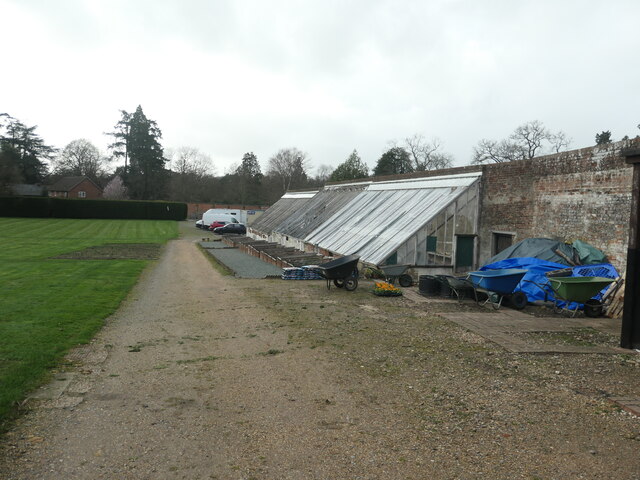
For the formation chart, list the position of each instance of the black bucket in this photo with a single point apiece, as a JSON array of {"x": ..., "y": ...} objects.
[{"x": 429, "y": 285}]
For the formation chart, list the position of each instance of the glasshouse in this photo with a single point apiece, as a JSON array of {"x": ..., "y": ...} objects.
[{"x": 428, "y": 223}]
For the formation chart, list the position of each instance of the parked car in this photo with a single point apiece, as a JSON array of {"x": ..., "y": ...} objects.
[
  {"x": 235, "y": 228},
  {"x": 200, "y": 224},
  {"x": 216, "y": 224}
]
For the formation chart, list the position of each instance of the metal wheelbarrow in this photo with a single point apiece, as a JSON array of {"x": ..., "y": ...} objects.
[
  {"x": 393, "y": 272},
  {"x": 458, "y": 286},
  {"x": 342, "y": 271},
  {"x": 498, "y": 285}
]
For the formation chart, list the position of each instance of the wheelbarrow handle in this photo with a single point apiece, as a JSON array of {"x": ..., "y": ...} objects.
[{"x": 545, "y": 287}]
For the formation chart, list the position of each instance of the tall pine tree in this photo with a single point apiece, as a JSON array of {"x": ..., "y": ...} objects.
[
  {"x": 351, "y": 169},
  {"x": 22, "y": 150},
  {"x": 137, "y": 141},
  {"x": 249, "y": 178}
]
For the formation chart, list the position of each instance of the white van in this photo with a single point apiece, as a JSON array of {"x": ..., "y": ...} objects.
[{"x": 222, "y": 215}]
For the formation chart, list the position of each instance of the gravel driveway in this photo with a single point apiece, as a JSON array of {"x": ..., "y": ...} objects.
[
  {"x": 200, "y": 376},
  {"x": 243, "y": 265}
]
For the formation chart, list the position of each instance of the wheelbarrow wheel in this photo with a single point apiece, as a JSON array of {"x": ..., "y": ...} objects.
[
  {"x": 557, "y": 308},
  {"x": 593, "y": 308},
  {"x": 350, "y": 284},
  {"x": 338, "y": 282},
  {"x": 518, "y": 300},
  {"x": 496, "y": 300},
  {"x": 405, "y": 280}
]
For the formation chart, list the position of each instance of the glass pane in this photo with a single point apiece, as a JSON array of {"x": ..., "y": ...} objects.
[
  {"x": 432, "y": 243},
  {"x": 393, "y": 259}
]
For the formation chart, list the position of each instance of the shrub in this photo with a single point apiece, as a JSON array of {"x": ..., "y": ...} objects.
[{"x": 47, "y": 207}]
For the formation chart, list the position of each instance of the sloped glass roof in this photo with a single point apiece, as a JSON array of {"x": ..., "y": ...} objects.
[
  {"x": 317, "y": 210},
  {"x": 288, "y": 205},
  {"x": 382, "y": 217}
]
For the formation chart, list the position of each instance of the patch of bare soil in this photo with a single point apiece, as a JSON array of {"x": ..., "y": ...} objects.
[
  {"x": 201, "y": 376},
  {"x": 586, "y": 337},
  {"x": 463, "y": 407},
  {"x": 116, "y": 251}
]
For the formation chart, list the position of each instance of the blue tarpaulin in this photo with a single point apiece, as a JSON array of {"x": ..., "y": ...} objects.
[{"x": 537, "y": 268}]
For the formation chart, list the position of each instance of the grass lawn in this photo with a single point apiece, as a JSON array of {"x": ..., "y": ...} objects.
[{"x": 49, "y": 305}]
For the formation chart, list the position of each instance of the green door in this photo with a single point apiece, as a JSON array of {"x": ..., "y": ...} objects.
[{"x": 464, "y": 253}]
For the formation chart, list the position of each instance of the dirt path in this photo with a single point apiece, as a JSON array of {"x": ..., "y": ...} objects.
[
  {"x": 195, "y": 385},
  {"x": 200, "y": 376}
]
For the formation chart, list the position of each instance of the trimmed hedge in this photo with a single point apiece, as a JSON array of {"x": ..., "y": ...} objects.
[{"x": 51, "y": 207}]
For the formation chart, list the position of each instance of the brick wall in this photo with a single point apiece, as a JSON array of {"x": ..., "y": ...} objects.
[
  {"x": 90, "y": 189},
  {"x": 582, "y": 194}
]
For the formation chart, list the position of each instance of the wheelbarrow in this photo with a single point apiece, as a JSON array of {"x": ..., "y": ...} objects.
[
  {"x": 498, "y": 285},
  {"x": 576, "y": 290},
  {"x": 343, "y": 272},
  {"x": 458, "y": 286},
  {"x": 393, "y": 272}
]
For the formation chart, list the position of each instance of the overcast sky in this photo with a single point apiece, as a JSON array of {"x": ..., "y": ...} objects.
[{"x": 324, "y": 76}]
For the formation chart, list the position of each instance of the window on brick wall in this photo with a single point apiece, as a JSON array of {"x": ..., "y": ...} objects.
[
  {"x": 501, "y": 241},
  {"x": 82, "y": 194}
]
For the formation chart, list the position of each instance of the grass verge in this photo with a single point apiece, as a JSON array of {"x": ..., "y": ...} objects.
[{"x": 51, "y": 305}]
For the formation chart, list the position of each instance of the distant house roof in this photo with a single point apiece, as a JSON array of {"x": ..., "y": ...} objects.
[{"x": 66, "y": 184}]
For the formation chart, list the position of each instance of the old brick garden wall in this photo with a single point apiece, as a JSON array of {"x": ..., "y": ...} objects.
[{"x": 581, "y": 194}]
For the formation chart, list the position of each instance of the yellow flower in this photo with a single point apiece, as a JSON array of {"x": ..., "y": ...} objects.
[{"x": 385, "y": 287}]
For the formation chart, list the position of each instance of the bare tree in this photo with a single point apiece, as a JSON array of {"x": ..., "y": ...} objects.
[
  {"x": 115, "y": 189},
  {"x": 289, "y": 165},
  {"x": 189, "y": 160},
  {"x": 188, "y": 168},
  {"x": 80, "y": 157},
  {"x": 497, "y": 152},
  {"x": 526, "y": 141},
  {"x": 425, "y": 154},
  {"x": 323, "y": 172},
  {"x": 560, "y": 141},
  {"x": 530, "y": 136}
]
